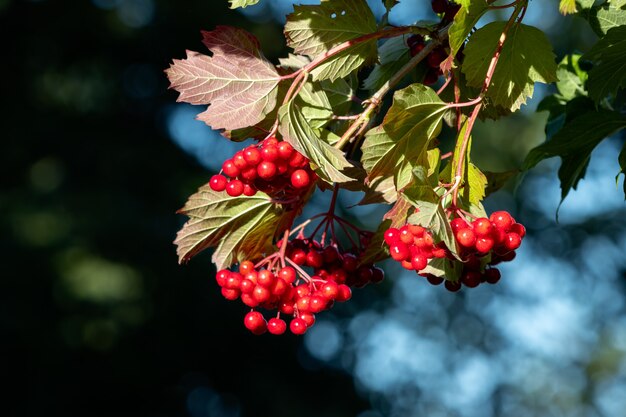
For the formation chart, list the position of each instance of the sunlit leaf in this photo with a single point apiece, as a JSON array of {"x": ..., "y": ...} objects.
[{"x": 237, "y": 82}]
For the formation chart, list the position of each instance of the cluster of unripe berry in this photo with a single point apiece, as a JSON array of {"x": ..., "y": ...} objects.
[
  {"x": 270, "y": 166},
  {"x": 291, "y": 291},
  {"x": 482, "y": 243}
]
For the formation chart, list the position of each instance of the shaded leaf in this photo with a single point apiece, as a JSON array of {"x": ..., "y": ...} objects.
[
  {"x": 526, "y": 58},
  {"x": 497, "y": 180},
  {"x": 444, "y": 268},
  {"x": 465, "y": 19},
  {"x": 401, "y": 142},
  {"x": 393, "y": 55},
  {"x": 609, "y": 72},
  {"x": 574, "y": 144},
  {"x": 238, "y": 83},
  {"x": 380, "y": 190},
  {"x": 238, "y": 227},
  {"x": 606, "y": 16}
]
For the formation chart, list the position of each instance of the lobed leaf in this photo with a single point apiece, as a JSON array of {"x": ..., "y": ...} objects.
[
  {"x": 609, "y": 72},
  {"x": 237, "y": 82},
  {"x": 606, "y": 16},
  {"x": 526, "y": 58},
  {"x": 433, "y": 216},
  {"x": 315, "y": 29},
  {"x": 465, "y": 19},
  {"x": 401, "y": 142},
  {"x": 238, "y": 227}
]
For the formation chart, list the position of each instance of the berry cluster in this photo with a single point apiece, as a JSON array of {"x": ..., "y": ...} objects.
[
  {"x": 448, "y": 8},
  {"x": 482, "y": 244},
  {"x": 292, "y": 291},
  {"x": 270, "y": 166}
]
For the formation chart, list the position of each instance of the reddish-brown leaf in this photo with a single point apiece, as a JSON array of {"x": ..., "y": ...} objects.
[{"x": 237, "y": 82}]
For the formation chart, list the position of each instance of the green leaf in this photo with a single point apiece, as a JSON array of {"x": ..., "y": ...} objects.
[
  {"x": 526, "y": 58},
  {"x": 242, "y": 3},
  {"x": 295, "y": 129},
  {"x": 497, "y": 180},
  {"x": 240, "y": 85},
  {"x": 340, "y": 93},
  {"x": 315, "y": 29},
  {"x": 465, "y": 19},
  {"x": 444, "y": 268},
  {"x": 402, "y": 141},
  {"x": 238, "y": 227},
  {"x": 315, "y": 105},
  {"x": 433, "y": 216},
  {"x": 606, "y": 16},
  {"x": 609, "y": 72},
  {"x": 393, "y": 55},
  {"x": 574, "y": 144},
  {"x": 571, "y": 78}
]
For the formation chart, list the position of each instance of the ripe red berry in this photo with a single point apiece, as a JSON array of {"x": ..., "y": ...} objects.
[
  {"x": 248, "y": 190},
  {"x": 471, "y": 279},
  {"x": 309, "y": 318},
  {"x": 287, "y": 274},
  {"x": 234, "y": 188},
  {"x": 297, "y": 326},
  {"x": 501, "y": 219},
  {"x": 252, "y": 156},
  {"x": 419, "y": 261},
  {"x": 222, "y": 276},
  {"x": 265, "y": 278},
  {"x": 458, "y": 224},
  {"x": 405, "y": 235},
  {"x": 255, "y": 322},
  {"x": 436, "y": 57},
  {"x": 417, "y": 231},
  {"x": 230, "y": 294},
  {"x": 247, "y": 286},
  {"x": 230, "y": 169},
  {"x": 240, "y": 161},
  {"x": 234, "y": 281},
  {"x": 261, "y": 294},
  {"x": 285, "y": 150},
  {"x": 399, "y": 251},
  {"x": 466, "y": 237},
  {"x": 519, "y": 229},
  {"x": 482, "y": 227},
  {"x": 512, "y": 241},
  {"x": 377, "y": 275},
  {"x": 300, "y": 178},
  {"x": 330, "y": 290},
  {"x": 484, "y": 244},
  {"x": 392, "y": 235},
  {"x": 317, "y": 304},
  {"x": 276, "y": 326},
  {"x": 266, "y": 170},
  {"x": 218, "y": 182},
  {"x": 269, "y": 153},
  {"x": 249, "y": 300},
  {"x": 345, "y": 293}
]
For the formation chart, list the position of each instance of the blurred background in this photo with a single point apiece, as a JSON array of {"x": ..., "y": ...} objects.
[{"x": 98, "y": 319}]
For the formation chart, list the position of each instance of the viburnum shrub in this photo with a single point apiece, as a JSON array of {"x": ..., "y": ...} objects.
[{"x": 320, "y": 122}]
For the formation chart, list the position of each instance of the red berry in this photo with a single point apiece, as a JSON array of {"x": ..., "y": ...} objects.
[
  {"x": 297, "y": 326},
  {"x": 266, "y": 278},
  {"x": 309, "y": 319},
  {"x": 501, "y": 219},
  {"x": 434, "y": 280},
  {"x": 392, "y": 235},
  {"x": 419, "y": 262},
  {"x": 512, "y": 241},
  {"x": 287, "y": 274},
  {"x": 484, "y": 244},
  {"x": 298, "y": 160},
  {"x": 453, "y": 286},
  {"x": 377, "y": 275},
  {"x": 230, "y": 294},
  {"x": 399, "y": 251},
  {"x": 345, "y": 293},
  {"x": 303, "y": 290},
  {"x": 405, "y": 235},
  {"x": 471, "y": 279},
  {"x": 458, "y": 224},
  {"x": 266, "y": 170},
  {"x": 285, "y": 150},
  {"x": 298, "y": 256},
  {"x": 249, "y": 300},
  {"x": 519, "y": 229},
  {"x": 255, "y": 322},
  {"x": 317, "y": 304},
  {"x": 222, "y": 276},
  {"x": 482, "y": 227},
  {"x": 248, "y": 190},
  {"x": 218, "y": 182},
  {"x": 417, "y": 231},
  {"x": 300, "y": 178},
  {"x": 276, "y": 326},
  {"x": 252, "y": 156},
  {"x": 330, "y": 290},
  {"x": 230, "y": 169},
  {"x": 314, "y": 259},
  {"x": 240, "y": 161},
  {"x": 234, "y": 281},
  {"x": 436, "y": 57},
  {"x": 248, "y": 174},
  {"x": 245, "y": 267},
  {"x": 279, "y": 288},
  {"x": 261, "y": 294},
  {"x": 407, "y": 265},
  {"x": 416, "y": 48},
  {"x": 466, "y": 237},
  {"x": 269, "y": 153},
  {"x": 234, "y": 188},
  {"x": 247, "y": 286},
  {"x": 492, "y": 275},
  {"x": 350, "y": 262}
]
